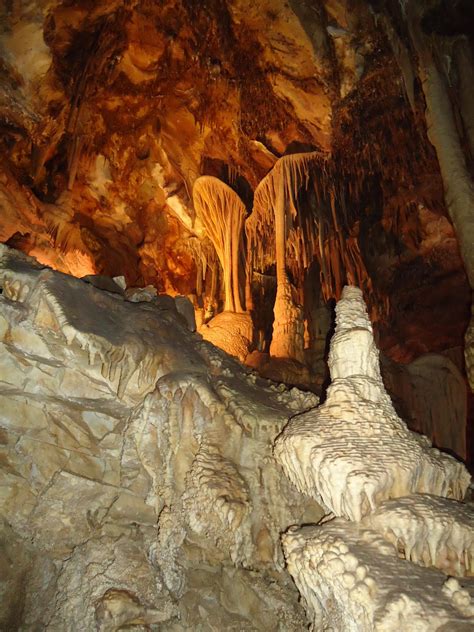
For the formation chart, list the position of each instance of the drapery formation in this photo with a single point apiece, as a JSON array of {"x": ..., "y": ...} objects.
[
  {"x": 222, "y": 213},
  {"x": 299, "y": 215},
  {"x": 275, "y": 211}
]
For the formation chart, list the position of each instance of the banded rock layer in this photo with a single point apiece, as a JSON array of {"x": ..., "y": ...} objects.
[{"x": 352, "y": 580}]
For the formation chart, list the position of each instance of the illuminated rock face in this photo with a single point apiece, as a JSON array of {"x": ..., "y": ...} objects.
[
  {"x": 139, "y": 486},
  {"x": 354, "y": 451},
  {"x": 103, "y": 145},
  {"x": 231, "y": 332}
]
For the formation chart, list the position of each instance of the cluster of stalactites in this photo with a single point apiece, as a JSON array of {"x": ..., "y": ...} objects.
[
  {"x": 285, "y": 227},
  {"x": 317, "y": 228},
  {"x": 278, "y": 193},
  {"x": 222, "y": 213}
]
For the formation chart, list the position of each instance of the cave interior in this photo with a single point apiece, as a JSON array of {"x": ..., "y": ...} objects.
[{"x": 236, "y": 272}]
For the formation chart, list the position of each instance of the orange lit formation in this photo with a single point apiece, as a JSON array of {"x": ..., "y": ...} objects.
[{"x": 222, "y": 213}]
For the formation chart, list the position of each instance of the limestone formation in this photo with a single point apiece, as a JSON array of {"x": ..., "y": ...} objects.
[
  {"x": 275, "y": 211},
  {"x": 428, "y": 530},
  {"x": 355, "y": 454},
  {"x": 354, "y": 451},
  {"x": 138, "y": 486},
  {"x": 352, "y": 581},
  {"x": 146, "y": 475},
  {"x": 222, "y": 212},
  {"x": 231, "y": 332}
]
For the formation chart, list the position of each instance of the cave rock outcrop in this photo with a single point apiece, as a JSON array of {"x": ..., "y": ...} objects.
[
  {"x": 138, "y": 482},
  {"x": 352, "y": 580}
]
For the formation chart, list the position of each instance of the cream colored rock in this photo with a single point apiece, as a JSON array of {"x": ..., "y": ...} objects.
[
  {"x": 353, "y": 452},
  {"x": 212, "y": 493},
  {"x": 125, "y": 350},
  {"x": 352, "y": 581},
  {"x": 137, "y": 481},
  {"x": 428, "y": 530},
  {"x": 138, "y": 484}
]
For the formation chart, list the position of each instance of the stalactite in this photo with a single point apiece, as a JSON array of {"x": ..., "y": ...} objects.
[
  {"x": 275, "y": 218},
  {"x": 302, "y": 228},
  {"x": 212, "y": 299},
  {"x": 65, "y": 235},
  {"x": 199, "y": 280},
  {"x": 222, "y": 213}
]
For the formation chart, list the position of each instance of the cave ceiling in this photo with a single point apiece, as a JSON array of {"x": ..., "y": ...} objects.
[{"x": 110, "y": 110}]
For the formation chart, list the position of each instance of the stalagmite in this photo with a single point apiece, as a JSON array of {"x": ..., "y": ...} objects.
[
  {"x": 353, "y": 452},
  {"x": 358, "y": 458},
  {"x": 222, "y": 213},
  {"x": 276, "y": 209}
]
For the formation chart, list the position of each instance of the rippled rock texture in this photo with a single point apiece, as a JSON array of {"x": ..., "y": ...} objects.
[{"x": 396, "y": 529}]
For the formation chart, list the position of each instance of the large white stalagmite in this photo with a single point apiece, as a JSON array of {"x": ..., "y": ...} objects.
[
  {"x": 356, "y": 456},
  {"x": 354, "y": 451}
]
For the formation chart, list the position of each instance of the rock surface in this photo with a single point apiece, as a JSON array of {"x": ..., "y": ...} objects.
[
  {"x": 352, "y": 581},
  {"x": 138, "y": 486},
  {"x": 431, "y": 395},
  {"x": 231, "y": 332},
  {"x": 428, "y": 530}
]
